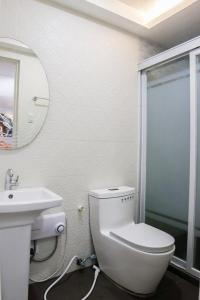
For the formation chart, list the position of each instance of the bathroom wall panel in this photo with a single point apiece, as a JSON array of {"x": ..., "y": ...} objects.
[{"x": 90, "y": 138}]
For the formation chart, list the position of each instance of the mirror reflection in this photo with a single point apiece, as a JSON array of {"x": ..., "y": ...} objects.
[{"x": 24, "y": 94}]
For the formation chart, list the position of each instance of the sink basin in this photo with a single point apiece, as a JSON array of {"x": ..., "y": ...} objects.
[
  {"x": 30, "y": 199},
  {"x": 18, "y": 210}
]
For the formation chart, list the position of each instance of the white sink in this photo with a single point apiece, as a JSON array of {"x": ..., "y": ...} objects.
[
  {"x": 26, "y": 200},
  {"x": 18, "y": 209}
]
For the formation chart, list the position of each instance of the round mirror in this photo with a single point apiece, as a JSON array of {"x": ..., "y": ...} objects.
[{"x": 24, "y": 94}]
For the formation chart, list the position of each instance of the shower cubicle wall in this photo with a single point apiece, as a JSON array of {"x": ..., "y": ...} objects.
[{"x": 170, "y": 147}]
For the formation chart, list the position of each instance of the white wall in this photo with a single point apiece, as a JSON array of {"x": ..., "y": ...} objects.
[{"x": 92, "y": 73}]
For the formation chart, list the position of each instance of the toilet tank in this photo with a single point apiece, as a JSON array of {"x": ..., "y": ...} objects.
[{"x": 112, "y": 207}]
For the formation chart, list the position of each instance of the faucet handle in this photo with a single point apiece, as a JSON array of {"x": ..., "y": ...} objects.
[{"x": 10, "y": 172}]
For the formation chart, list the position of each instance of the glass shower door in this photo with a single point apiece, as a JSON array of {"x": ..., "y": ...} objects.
[
  {"x": 168, "y": 150},
  {"x": 170, "y": 160}
]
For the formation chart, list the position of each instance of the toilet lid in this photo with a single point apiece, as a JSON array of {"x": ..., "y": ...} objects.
[{"x": 144, "y": 237}]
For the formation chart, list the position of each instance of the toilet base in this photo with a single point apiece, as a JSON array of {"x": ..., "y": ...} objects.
[{"x": 142, "y": 296}]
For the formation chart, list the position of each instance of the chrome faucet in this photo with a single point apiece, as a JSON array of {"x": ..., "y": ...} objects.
[{"x": 11, "y": 180}]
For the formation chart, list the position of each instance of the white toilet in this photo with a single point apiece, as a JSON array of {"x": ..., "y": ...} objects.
[{"x": 135, "y": 256}]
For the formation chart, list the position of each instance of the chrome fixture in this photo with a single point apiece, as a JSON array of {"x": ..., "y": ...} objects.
[{"x": 11, "y": 180}]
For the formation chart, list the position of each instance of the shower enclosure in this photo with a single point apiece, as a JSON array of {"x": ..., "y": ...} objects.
[{"x": 170, "y": 147}]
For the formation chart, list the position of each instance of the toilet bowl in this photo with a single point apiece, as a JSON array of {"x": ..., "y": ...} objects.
[{"x": 134, "y": 256}]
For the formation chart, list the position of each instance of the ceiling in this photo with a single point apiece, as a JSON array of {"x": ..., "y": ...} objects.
[
  {"x": 152, "y": 12},
  {"x": 143, "y": 5},
  {"x": 166, "y": 22}
]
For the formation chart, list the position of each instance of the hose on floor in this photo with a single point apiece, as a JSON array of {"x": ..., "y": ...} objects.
[{"x": 97, "y": 271}]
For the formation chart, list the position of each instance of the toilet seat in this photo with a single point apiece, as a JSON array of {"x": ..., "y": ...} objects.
[{"x": 144, "y": 238}]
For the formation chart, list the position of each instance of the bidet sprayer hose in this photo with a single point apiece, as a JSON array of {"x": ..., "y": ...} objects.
[
  {"x": 60, "y": 277},
  {"x": 97, "y": 271}
]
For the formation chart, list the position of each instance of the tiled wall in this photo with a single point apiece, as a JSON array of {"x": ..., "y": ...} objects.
[{"x": 90, "y": 138}]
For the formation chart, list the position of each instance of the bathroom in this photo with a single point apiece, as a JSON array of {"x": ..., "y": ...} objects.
[{"x": 94, "y": 55}]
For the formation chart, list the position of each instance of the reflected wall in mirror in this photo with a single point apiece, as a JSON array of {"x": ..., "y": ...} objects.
[{"x": 24, "y": 94}]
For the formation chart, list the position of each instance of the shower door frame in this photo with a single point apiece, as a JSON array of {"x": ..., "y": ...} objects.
[{"x": 192, "y": 49}]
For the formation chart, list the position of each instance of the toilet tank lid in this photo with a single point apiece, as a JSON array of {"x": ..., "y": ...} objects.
[{"x": 112, "y": 192}]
